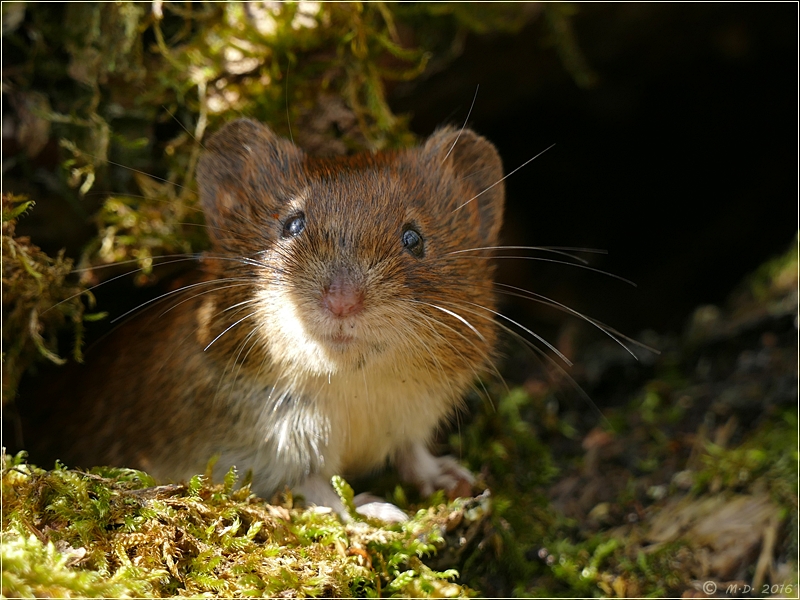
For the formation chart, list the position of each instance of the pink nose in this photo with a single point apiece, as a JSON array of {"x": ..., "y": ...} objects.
[{"x": 343, "y": 297}]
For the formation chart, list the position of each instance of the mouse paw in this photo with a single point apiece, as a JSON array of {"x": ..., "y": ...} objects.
[
  {"x": 321, "y": 498},
  {"x": 373, "y": 507},
  {"x": 430, "y": 473}
]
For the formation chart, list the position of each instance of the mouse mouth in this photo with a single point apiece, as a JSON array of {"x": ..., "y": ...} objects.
[
  {"x": 343, "y": 342},
  {"x": 339, "y": 334},
  {"x": 340, "y": 340}
]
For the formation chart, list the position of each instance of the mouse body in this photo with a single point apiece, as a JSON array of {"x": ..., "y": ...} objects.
[{"x": 344, "y": 309}]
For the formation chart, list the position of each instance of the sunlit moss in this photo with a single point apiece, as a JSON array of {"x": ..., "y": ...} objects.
[{"x": 110, "y": 532}]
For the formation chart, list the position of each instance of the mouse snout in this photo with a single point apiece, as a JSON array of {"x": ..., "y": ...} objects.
[{"x": 343, "y": 297}]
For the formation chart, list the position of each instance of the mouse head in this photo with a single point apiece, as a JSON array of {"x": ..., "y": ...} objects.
[{"x": 361, "y": 260}]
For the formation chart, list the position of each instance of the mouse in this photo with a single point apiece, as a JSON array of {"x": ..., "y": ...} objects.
[{"x": 343, "y": 311}]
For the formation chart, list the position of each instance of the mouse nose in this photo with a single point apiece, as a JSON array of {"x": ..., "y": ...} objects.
[{"x": 343, "y": 297}]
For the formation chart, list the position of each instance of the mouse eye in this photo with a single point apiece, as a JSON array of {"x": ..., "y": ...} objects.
[
  {"x": 294, "y": 225},
  {"x": 412, "y": 241}
]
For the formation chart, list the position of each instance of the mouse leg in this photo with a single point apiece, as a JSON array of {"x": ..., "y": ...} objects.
[
  {"x": 429, "y": 473},
  {"x": 318, "y": 491}
]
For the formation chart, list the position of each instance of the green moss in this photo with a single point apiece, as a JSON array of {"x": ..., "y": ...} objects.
[
  {"x": 110, "y": 532},
  {"x": 768, "y": 456},
  {"x": 775, "y": 276},
  {"x": 530, "y": 546},
  {"x": 39, "y": 297},
  {"x": 32, "y": 568}
]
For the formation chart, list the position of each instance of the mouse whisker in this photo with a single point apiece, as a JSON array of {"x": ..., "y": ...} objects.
[
  {"x": 228, "y": 368},
  {"x": 142, "y": 199},
  {"x": 606, "y": 329},
  {"x": 194, "y": 330},
  {"x": 228, "y": 329},
  {"x": 146, "y": 174},
  {"x": 502, "y": 179},
  {"x": 116, "y": 277},
  {"x": 173, "y": 292},
  {"x": 484, "y": 393},
  {"x": 431, "y": 322},
  {"x": 173, "y": 259},
  {"x": 162, "y": 260},
  {"x": 552, "y": 260},
  {"x": 454, "y": 315},
  {"x": 564, "y": 251},
  {"x": 239, "y": 304},
  {"x": 196, "y": 138},
  {"x": 251, "y": 262},
  {"x": 541, "y": 299},
  {"x": 484, "y": 354},
  {"x": 539, "y": 354},
  {"x": 472, "y": 174},
  {"x": 197, "y": 295},
  {"x": 251, "y": 335},
  {"x": 214, "y": 228},
  {"x": 528, "y": 343},
  {"x": 469, "y": 112},
  {"x": 176, "y": 258},
  {"x": 515, "y": 334},
  {"x": 526, "y": 330},
  {"x": 419, "y": 338}
]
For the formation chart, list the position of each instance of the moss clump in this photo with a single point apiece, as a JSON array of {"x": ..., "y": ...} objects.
[
  {"x": 775, "y": 277},
  {"x": 35, "y": 569},
  {"x": 111, "y": 532},
  {"x": 38, "y": 298},
  {"x": 769, "y": 453}
]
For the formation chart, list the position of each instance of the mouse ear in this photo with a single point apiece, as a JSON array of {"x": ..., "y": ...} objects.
[
  {"x": 242, "y": 176},
  {"x": 476, "y": 165}
]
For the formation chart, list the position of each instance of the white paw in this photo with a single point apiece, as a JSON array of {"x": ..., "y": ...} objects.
[
  {"x": 321, "y": 498},
  {"x": 372, "y": 507},
  {"x": 430, "y": 473}
]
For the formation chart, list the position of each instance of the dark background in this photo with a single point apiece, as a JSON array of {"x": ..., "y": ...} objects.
[{"x": 681, "y": 160}]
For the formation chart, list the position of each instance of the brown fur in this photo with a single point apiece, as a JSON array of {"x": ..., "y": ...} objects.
[{"x": 290, "y": 390}]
